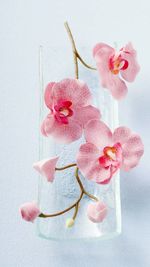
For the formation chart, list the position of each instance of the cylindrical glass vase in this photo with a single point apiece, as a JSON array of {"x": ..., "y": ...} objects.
[{"x": 55, "y": 65}]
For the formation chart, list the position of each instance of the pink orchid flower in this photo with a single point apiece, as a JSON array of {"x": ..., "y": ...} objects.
[
  {"x": 105, "y": 153},
  {"x": 69, "y": 103},
  {"x": 29, "y": 211},
  {"x": 46, "y": 167},
  {"x": 111, "y": 65},
  {"x": 97, "y": 212}
]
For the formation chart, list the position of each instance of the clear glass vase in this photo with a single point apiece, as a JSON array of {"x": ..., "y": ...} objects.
[{"x": 55, "y": 65}]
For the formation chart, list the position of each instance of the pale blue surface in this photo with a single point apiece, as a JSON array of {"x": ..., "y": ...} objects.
[{"x": 23, "y": 25}]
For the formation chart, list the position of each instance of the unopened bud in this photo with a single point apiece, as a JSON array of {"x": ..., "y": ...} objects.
[{"x": 69, "y": 222}]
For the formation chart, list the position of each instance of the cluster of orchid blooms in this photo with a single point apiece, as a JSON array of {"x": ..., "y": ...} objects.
[{"x": 72, "y": 115}]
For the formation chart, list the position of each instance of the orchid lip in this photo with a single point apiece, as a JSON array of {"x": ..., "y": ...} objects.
[
  {"x": 111, "y": 158},
  {"x": 117, "y": 63},
  {"x": 62, "y": 111},
  {"x": 110, "y": 152}
]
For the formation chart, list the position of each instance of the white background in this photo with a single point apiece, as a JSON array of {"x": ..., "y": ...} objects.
[{"x": 23, "y": 26}]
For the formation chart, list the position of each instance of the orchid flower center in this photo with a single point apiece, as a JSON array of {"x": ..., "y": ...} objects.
[
  {"x": 110, "y": 152},
  {"x": 62, "y": 111},
  {"x": 112, "y": 156},
  {"x": 117, "y": 63}
]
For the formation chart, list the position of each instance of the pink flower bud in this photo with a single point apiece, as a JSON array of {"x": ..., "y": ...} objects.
[
  {"x": 46, "y": 167},
  {"x": 29, "y": 211},
  {"x": 96, "y": 212}
]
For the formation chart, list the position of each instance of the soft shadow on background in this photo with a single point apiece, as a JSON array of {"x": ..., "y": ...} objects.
[{"x": 23, "y": 26}]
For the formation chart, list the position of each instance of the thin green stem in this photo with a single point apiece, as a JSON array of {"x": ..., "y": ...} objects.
[
  {"x": 73, "y": 49},
  {"x": 65, "y": 167},
  {"x": 78, "y": 179},
  {"x": 76, "y": 211},
  {"x": 76, "y": 55},
  {"x": 84, "y": 63},
  {"x": 42, "y": 215},
  {"x": 76, "y": 204},
  {"x": 90, "y": 195}
]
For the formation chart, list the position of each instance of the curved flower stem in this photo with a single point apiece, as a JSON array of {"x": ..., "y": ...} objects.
[
  {"x": 73, "y": 50},
  {"x": 76, "y": 204},
  {"x": 63, "y": 211},
  {"x": 82, "y": 188},
  {"x": 76, "y": 211},
  {"x": 65, "y": 167},
  {"x": 76, "y": 55},
  {"x": 78, "y": 180},
  {"x": 84, "y": 63},
  {"x": 91, "y": 196}
]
